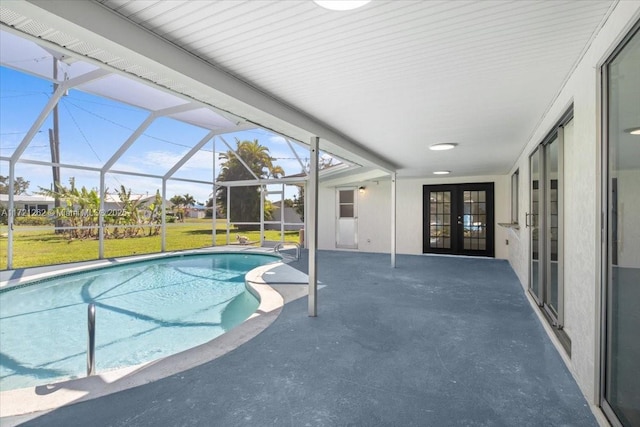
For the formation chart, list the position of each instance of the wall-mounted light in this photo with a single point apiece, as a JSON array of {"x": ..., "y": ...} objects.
[
  {"x": 633, "y": 131},
  {"x": 361, "y": 189},
  {"x": 341, "y": 4},
  {"x": 441, "y": 172}
]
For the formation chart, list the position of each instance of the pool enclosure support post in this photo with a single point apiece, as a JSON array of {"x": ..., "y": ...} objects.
[
  {"x": 263, "y": 190},
  {"x": 163, "y": 217},
  {"x": 312, "y": 223},
  {"x": 214, "y": 214},
  {"x": 393, "y": 219},
  {"x": 101, "y": 216},
  {"x": 213, "y": 194},
  {"x": 91, "y": 342},
  {"x": 282, "y": 213},
  {"x": 10, "y": 216},
  {"x": 228, "y": 214}
]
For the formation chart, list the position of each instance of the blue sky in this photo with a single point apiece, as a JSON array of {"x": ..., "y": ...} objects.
[{"x": 93, "y": 128}]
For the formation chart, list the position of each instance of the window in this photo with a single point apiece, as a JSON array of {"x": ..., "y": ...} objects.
[{"x": 515, "y": 179}]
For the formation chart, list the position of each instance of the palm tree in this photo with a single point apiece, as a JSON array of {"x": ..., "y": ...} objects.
[
  {"x": 245, "y": 201},
  {"x": 188, "y": 200},
  {"x": 178, "y": 203}
]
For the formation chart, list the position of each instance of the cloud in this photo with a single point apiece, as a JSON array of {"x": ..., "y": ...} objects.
[{"x": 276, "y": 139}]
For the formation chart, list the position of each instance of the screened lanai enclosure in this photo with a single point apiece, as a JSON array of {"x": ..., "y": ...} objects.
[{"x": 97, "y": 162}]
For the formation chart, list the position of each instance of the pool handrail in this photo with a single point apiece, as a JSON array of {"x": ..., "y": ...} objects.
[
  {"x": 91, "y": 342},
  {"x": 280, "y": 245}
]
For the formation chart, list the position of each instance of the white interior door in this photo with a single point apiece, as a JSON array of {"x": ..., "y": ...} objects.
[{"x": 347, "y": 218}]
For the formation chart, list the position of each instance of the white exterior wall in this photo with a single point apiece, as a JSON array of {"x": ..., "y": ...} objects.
[
  {"x": 374, "y": 214},
  {"x": 582, "y": 175},
  {"x": 410, "y": 211}
]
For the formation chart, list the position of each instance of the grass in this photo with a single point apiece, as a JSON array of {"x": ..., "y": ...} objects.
[{"x": 35, "y": 248}]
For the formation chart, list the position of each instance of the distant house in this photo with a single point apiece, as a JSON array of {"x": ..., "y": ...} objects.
[
  {"x": 113, "y": 201},
  {"x": 290, "y": 217},
  {"x": 196, "y": 211},
  {"x": 29, "y": 205}
]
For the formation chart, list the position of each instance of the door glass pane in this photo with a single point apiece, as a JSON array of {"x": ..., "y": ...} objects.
[
  {"x": 347, "y": 196},
  {"x": 552, "y": 178},
  {"x": 622, "y": 364},
  {"x": 474, "y": 220},
  {"x": 440, "y": 219},
  {"x": 533, "y": 223},
  {"x": 346, "y": 211},
  {"x": 347, "y": 204}
]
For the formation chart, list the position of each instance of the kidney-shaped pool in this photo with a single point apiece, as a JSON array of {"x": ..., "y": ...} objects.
[{"x": 145, "y": 310}]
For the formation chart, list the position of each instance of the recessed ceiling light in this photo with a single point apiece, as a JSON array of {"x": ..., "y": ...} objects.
[
  {"x": 441, "y": 172},
  {"x": 633, "y": 131},
  {"x": 443, "y": 146},
  {"x": 341, "y": 4}
]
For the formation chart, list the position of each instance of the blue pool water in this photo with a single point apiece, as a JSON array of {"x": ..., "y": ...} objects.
[{"x": 145, "y": 310}]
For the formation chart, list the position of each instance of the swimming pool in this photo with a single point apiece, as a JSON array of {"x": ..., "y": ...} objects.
[{"x": 145, "y": 311}]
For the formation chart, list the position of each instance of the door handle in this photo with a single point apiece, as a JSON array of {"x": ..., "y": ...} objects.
[{"x": 526, "y": 220}]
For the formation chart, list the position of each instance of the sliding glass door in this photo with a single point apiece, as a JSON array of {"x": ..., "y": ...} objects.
[
  {"x": 544, "y": 221},
  {"x": 620, "y": 380},
  {"x": 553, "y": 243}
]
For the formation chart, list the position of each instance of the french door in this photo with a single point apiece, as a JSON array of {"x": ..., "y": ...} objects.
[{"x": 458, "y": 219}]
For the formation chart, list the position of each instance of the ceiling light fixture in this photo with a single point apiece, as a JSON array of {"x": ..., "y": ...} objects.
[
  {"x": 443, "y": 146},
  {"x": 441, "y": 172},
  {"x": 633, "y": 131},
  {"x": 341, "y": 4}
]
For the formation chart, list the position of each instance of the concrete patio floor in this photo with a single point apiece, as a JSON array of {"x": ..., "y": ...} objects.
[{"x": 438, "y": 341}]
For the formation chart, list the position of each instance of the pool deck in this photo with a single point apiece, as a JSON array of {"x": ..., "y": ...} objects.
[{"x": 437, "y": 341}]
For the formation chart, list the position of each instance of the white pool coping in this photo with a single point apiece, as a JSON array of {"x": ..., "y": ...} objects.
[{"x": 52, "y": 396}]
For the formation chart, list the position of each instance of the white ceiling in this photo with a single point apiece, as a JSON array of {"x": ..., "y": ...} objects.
[{"x": 392, "y": 77}]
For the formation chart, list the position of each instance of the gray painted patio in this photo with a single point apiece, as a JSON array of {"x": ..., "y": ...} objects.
[{"x": 438, "y": 341}]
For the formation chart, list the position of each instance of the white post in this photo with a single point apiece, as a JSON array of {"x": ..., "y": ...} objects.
[
  {"x": 10, "y": 213},
  {"x": 282, "y": 213},
  {"x": 393, "y": 219},
  {"x": 163, "y": 216},
  {"x": 213, "y": 196},
  {"x": 262, "y": 191},
  {"x": 228, "y": 213},
  {"x": 101, "y": 216},
  {"x": 312, "y": 222}
]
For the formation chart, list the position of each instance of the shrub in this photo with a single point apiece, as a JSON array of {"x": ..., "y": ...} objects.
[{"x": 33, "y": 220}]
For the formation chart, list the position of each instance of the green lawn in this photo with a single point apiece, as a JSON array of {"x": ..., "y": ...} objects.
[{"x": 34, "y": 248}]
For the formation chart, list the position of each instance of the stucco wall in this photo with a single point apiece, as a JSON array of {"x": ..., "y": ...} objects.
[
  {"x": 582, "y": 203},
  {"x": 374, "y": 214}
]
